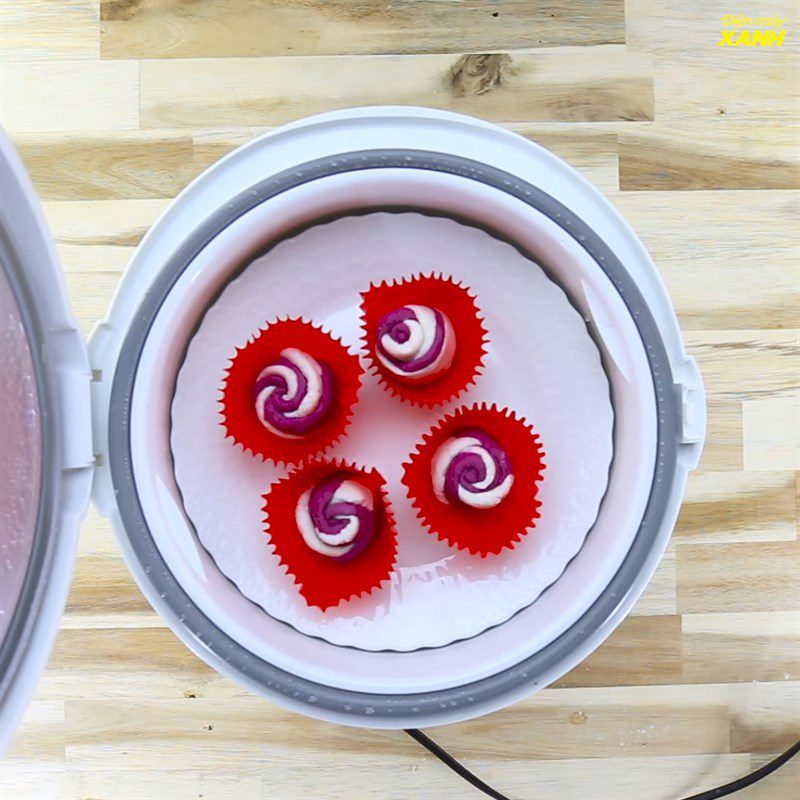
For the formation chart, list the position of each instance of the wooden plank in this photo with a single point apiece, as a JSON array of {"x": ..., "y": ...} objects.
[
  {"x": 720, "y": 238},
  {"x": 736, "y": 366},
  {"x": 180, "y": 784},
  {"x": 34, "y": 766},
  {"x": 108, "y": 166},
  {"x": 698, "y": 81},
  {"x": 94, "y": 242},
  {"x": 679, "y": 31},
  {"x": 113, "y": 223},
  {"x": 772, "y": 433},
  {"x": 159, "y": 163},
  {"x": 595, "y": 720},
  {"x": 659, "y": 596},
  {"x": 666, "y": 777},
  {"x": 105, "y": 262},
  {"x": 41, "y": 96},
  {"x": 766, "y": 721},
  {"x": 717, "y": 156},
  {"x": 752, "y": 576},
  {"x": 590, "y": 151},
  {"x": 643, "y": 650},
  {"x": 740, "y": 647},
  {"x": 582, "y": 83},
  {"x": 738, "y": 507},
  {"x": 745, "y": 364},
  {"x": 703, "y": 648},
  {"x": 103, "y": 594},
  {"x": 96, "y": 536},
  {"x": 226, "y": 28},
  {"x": 780, "y": 785},
  {"x": 412, "y": 773},
  {"x": 92, "y": 298},
  {"x": 237, "y": 733},
  {"x": 128, "y": 663},
  {"x": 723, "y": 448},
  {"x": 701, "y": 89},
  {"x": 33, "y": 30}
]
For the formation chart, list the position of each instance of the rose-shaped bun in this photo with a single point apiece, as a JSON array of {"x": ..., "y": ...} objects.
[
  {"x": 423, "y": 337},
  {"x": 337, "y": 517},
  {"x": 293, "y": 394},
  {"x": 288, "y": 394},
  {"x": 473, "y": 479},
  {"x": 416, "y": 343},
  {"x": 330, "y": 524},
  {"x": 471, "y": 469}
]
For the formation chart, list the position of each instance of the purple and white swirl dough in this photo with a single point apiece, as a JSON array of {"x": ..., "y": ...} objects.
[
  {"x": 471, "y": 469},
  {"x": 293, "y": 394},
  {"x": 337, "y": 517},
  {"x": 416, "y": 343}
]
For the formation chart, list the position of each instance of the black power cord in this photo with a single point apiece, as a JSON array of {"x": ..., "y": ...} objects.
[{"x": 711, "y": 794}]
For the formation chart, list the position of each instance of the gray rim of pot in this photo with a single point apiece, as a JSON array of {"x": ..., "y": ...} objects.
[{"x": 341, "y": 703}]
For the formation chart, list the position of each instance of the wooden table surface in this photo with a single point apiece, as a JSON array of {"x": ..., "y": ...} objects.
[{"x": 116, "y": 105}]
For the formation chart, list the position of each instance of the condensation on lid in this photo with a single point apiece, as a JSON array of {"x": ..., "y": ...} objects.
[{"x": 20, "y": 453}]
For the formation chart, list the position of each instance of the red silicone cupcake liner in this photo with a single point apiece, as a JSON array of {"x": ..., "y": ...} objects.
[
  {"x": 481, "y": 530},
  {"x": 438, "y": 294},
  {"x": 238, "y": 403},
  {"x": 324, "y": 581}
]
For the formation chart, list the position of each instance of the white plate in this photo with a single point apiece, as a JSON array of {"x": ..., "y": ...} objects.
[
  {"x": 209, "y": 271},
  {"x": 436, "y": 595}
]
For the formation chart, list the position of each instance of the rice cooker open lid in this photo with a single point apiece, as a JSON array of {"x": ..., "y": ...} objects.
[
  {"x": 34, "y": 287},
  {"x": 84, "y": 414}
]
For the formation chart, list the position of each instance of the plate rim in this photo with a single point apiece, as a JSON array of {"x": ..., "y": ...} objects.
[
  {"x": 609, "y": 391},
  {"x": 397, "y": 710}
]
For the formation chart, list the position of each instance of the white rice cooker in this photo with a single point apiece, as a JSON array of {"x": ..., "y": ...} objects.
[{"x": 103, "y": 412}]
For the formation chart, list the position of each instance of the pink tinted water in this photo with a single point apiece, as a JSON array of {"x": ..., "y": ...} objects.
[{"x": 20, "y": 453}]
